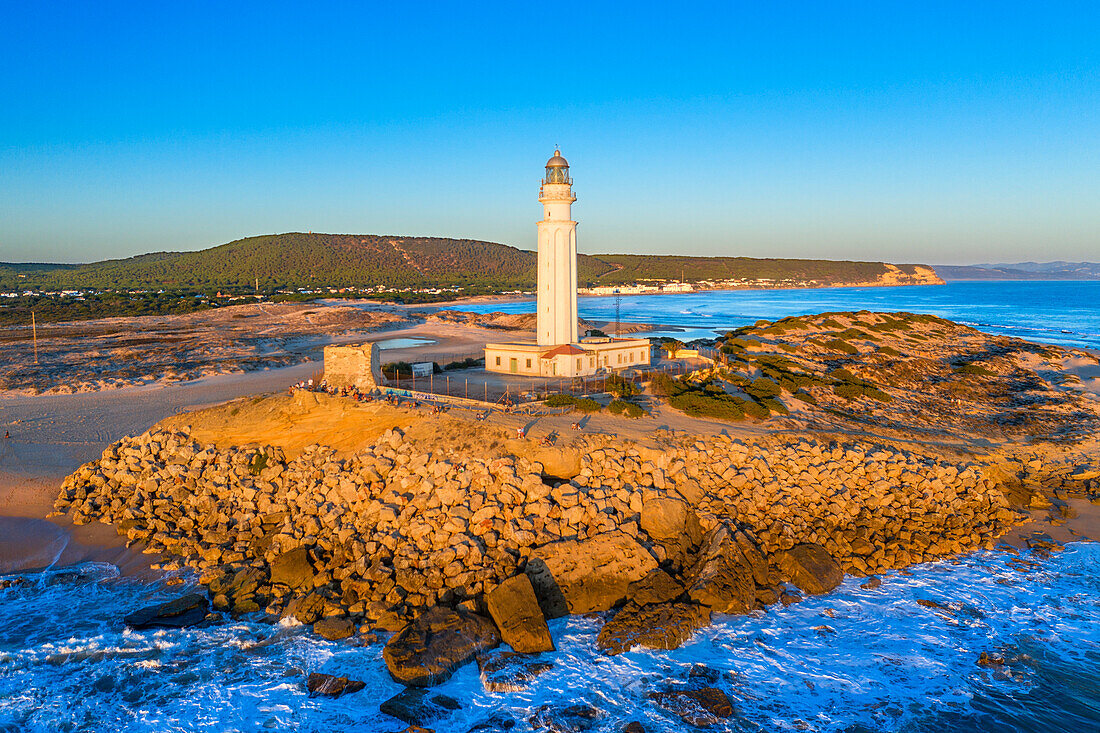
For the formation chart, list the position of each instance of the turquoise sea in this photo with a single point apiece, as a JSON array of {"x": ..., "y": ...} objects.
[
  {"x": 1056, "y": 312},
  {"x": 855, "y": 660}
]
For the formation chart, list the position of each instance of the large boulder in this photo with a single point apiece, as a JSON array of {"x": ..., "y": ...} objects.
[
  {"x": 334, "y": 628},
  {"x": 661, "y": 626},
  {"x": 516, "y": 611},
  {"x": 811, "y": 568},
  {"x": 187, "y": 610},
  {"x": 509, "y": 671},
  {"x": 307, "y": 609},
  {"x": 429, "y": 649},
  {"x": 670, "y": 522},
  {"x": 329, "y": 685},
  {"x": 657, "y": 587},
  {"x": 581, "y": 576},
  {"x": 292, "y": 569},
  {"x": 419, "y": 707},
  {"x": 721, "y": 578},
  {"x": 702, "y": 707}
]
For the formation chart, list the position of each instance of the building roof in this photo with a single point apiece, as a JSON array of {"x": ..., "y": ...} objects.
[{"x": 566, "y": 349}]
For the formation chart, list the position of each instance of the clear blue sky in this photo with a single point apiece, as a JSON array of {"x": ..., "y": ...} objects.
[{"x": 910, "y": 132}]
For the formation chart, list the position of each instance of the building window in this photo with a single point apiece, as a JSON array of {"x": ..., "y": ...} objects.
[
  {"x": 498, "y": 361},
  {"x": 579, "y": 364},
  {"x": 528, "y": 363}
]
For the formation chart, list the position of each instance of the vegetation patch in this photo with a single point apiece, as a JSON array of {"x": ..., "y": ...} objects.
[
  {"x": 972, "y": 369},
  {"x": 626, "y": 409},
  {"x": 775, "y": 406},
  {"x": 842, "y": 346},
  {"x": 854, "y": 391},
  {"x": 397, "y": 369},
  {"x": 620, "y": 387},
  {"x": 469, "y": 363},
  {"x": 699, "y": 404}
]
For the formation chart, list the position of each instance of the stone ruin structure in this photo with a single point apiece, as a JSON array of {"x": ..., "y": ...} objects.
[{"x": 354, "y": 366}]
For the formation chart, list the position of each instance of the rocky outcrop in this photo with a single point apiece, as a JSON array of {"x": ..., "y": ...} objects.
[
  {"x": 722, "y": 578},
  {"x": 381, "y": 536},
  {"x": 328, "y": 685},
  {"x": 419, "y": 707},
  {"x": 439, "y": 641},
  {"x": 179, "y": 613},
  {"x": 700, "y": 707},
  {"x": 567, "y": 719},
  {"x": 811, "y": 568},
  {"x": 292, "y": 569},
  {"x": 515, "y": 609},
  {"x": 660, "y": 626},
  {"x": 589, "y": 575},
  {"x": 510, "y": 671},
  {"x": 333, "y": 628}
]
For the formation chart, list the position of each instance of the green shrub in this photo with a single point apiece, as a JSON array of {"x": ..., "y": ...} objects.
[
  {"x": 755, "y": 409},
  {"x": 698, "y": 404},
  {"x": 830, "y": 323},
  {"x": 259, "y": 463},
  {"x": 842, "y": 346},
  {"x": 843, "y": 375},
  {"x": 584, "y": 404},
  {"x": 560, "y": 400},
  {"x": 855, "y": 391},
  {"x": 665, "y": 385},
  {"x": 762, "y": 388},
  {"x": 464, "y": 364},
  {"x": 395, "y": 369},
  {"x": 888, "y": 351},
  {"x": 628, "y": 409},
  {"x": 804, "y": 397},
  {"x": 855, "y": 333},
  {"x": 973, "y": 370},
  {"x": 620, "y": 386},
  {"x": 775, "y": 406},
  {"x": 848, "y": 391}
]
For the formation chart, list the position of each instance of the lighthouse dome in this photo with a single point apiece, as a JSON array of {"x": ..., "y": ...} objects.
[{"x": 557, "y": 161}]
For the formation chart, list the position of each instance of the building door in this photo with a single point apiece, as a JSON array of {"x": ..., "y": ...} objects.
[{"x": 513, "y": 365}]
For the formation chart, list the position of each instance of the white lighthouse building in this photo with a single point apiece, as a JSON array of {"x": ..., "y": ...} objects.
[{"x": 557, "y": 351}]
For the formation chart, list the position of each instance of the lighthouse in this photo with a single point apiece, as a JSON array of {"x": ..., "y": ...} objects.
[
  {"x": 557, "y": 351},
  {"x": 557, "y": 251}
]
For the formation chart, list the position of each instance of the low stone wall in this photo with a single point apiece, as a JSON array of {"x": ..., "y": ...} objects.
[{"x": 384, "y": 534}]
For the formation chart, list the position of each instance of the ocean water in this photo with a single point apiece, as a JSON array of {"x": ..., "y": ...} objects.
[
  {"x": 853, "y": 660},
  {"x": 1065, "y": 313}
]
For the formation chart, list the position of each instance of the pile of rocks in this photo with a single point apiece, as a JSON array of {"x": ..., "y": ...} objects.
[{"x": 666, "y": 535}]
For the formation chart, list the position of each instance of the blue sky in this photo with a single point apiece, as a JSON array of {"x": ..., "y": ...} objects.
[{"x": 906, "y": 132}]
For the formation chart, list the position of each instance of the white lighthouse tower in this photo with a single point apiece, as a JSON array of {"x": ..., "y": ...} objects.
[
  {"x": 557, "y": 278},
  {"x": 557, "y": 351}
]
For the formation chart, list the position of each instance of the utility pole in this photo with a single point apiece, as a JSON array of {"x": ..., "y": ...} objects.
[
  {"x": 34, "y": 333},
  {"x": 618, "y": 305}
]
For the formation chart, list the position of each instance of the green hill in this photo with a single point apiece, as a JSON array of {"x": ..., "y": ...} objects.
[
  {"x": 302, "y": 260},
  {"x": 298, "y": 260}
]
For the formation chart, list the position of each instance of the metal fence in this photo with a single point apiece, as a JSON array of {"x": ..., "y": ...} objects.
[{"x": 494, "y": 388}]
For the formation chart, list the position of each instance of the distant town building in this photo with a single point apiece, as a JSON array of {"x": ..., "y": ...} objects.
[{"x": 557, "y": 351}]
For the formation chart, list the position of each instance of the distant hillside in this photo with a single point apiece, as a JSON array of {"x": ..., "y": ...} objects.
[
  {"x": 633, "y": 268},
  {"x": 1022, "y": 271},
  {"x": 341, "y": 260}
]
